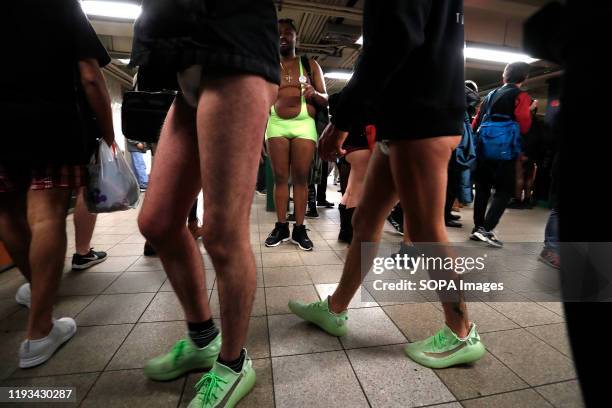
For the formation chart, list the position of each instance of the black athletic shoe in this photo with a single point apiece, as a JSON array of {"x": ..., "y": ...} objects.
[
  {"x": 149, "y": 250},
  {"x": 453, "y": 224},
  {"x": 493, "y": 241},
  {"x": 312, "y": 213},
  {"x": 300, "y": 238},
  {"x": 409, "y": 250},
  {"x": 479, "y": 234},
  {"x": 454, "y": 217},
  {"x": 397, "y": 226},
  {"x": 325, "y": 204},
  {"x": 82, "y": 262},
  {"x": 279, "y": 234}
]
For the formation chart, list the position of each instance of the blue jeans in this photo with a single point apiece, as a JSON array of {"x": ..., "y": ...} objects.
[
  {"x": 140, "y": 169},
  {"x": 551, "y": 233}
]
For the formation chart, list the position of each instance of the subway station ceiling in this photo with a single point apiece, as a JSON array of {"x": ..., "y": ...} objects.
[{"x": 328, "y": 30}]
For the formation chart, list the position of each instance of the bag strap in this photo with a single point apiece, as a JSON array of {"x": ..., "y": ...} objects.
[{"x": 306, "y": 64}]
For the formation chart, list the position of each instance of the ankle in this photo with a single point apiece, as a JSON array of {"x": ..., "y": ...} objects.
[
  {"x": 333, "y": 306},
  {"x": 40, "y": 332}
]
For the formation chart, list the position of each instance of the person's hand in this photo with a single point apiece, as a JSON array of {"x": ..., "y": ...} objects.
[
  {"x": 309, "y": 92},
  {"x": 534, "y": 105},
  {"x": 140, "y": 146},
  {"x": 330, "y": 143}
]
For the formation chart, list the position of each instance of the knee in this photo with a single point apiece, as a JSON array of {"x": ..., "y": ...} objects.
[
  {"x": 299, "y": 178},
  {"x": 281, "y": 179},
  {"x": 156, "y": 229}
]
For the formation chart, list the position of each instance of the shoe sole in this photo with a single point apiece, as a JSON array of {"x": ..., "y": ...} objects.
[
  {"x": 38, "y": 360},
  {"x": 301, "y": 247},
  {"x": 277, "y": 244},
  {"x": 88, "y": 264}
]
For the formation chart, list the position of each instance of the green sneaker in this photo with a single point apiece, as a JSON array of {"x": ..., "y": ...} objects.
[
  {"x": 319, "y": 314},
  {"x": 222, "y": 387},
  {"x": 183, "y": 358},
  {"x": 445, "y": 349}
]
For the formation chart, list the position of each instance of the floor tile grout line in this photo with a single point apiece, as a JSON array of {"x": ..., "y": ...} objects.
[
  {"x": 529, "y": 387},
  {"x": 356, "y": 376},
  {"x": 571, "y": 357}
]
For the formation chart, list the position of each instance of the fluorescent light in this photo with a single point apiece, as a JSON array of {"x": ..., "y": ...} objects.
[
  {"x": 506, "y": 57},
  {"x": 111, "y": 9},
  {"x": 124, "y": 61},
  {"x": 359, "y": 40},
  {"x": 343, "y": 76}
]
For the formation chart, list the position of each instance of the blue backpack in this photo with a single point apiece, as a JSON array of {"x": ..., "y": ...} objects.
[{"x": 500, "y": 139}]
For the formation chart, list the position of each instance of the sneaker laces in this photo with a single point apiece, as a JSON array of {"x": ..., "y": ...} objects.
[
  {"x": 340, "y": 319},
  {"x": 207, "y": 386},
  {"x": 177, "y": 349},
  {"x": 439, "y": 340}
]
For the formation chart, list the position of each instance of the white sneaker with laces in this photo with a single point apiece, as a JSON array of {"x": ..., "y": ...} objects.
[
  {"x": 36, "y": 352},
  {"x": 24, "y": 295}
]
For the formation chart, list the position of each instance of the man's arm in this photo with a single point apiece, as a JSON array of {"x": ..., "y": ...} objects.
[
  {"x": 97, "y": 95},
  {"x": 318, "y": 95},
  {"x": 392, "y": 29}
]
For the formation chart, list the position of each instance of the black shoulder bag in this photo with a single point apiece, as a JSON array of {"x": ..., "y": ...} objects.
[{"x": 143, "y": 114}]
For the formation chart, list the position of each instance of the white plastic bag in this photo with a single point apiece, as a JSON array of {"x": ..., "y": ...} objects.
[{"x": 112, "y": 186}]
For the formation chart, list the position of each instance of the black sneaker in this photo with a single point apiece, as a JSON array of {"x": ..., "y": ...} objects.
[
  {"x": 149, "y": 250},
  {"x": 300, "y": 238},
  {"x": 82, "y": 262},
  {"x": 325, "y": 204},
  {"x": 493, "y": 241},
  {"x": 409, "y": 250},
  {"x": 454, "y": 217},
  {"x": 479, "y": 234},
  {"x": 312, "y": 213},
  {"x": 279, "y": 234},
  {"x": 453, "y": 224}
]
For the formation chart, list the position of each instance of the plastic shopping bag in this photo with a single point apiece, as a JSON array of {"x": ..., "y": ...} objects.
[{"x": 112, "y": 186}]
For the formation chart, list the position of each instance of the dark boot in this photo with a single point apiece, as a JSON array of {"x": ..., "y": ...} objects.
[{"x": 346, "y": 226}]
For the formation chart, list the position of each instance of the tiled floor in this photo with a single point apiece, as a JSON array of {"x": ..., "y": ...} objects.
[{"x": 127, "y": 313}]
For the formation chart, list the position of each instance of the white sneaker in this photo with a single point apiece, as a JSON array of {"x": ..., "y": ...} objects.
[
  {"x": 24, "y": 295},
  {"x": 36, "y": 352}
]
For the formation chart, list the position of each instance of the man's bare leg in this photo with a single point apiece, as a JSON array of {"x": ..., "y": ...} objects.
[
  {"x": 279, "y": 149},
  {"x": 173, "y": 187},
  {"x": 84, "y": 224},
  {"x": 368, "y": 222},
  {"x": 47, "y": 211},
  {"x": 15, "y": 231},
  {"x": 231, "y": 121},
  {"x": 302, "y": 153},
  {"x": 420, "y": 174}
]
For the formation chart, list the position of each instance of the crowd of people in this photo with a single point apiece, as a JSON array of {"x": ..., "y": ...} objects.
[{"x": 239, "y": 78}]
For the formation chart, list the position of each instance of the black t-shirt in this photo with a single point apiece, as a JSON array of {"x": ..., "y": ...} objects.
[
  {"x": 412, "y": 61},
  {"x": 44, "y": 41}
]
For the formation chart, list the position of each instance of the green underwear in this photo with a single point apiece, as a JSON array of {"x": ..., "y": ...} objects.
[{"x": 300, "y": 127}]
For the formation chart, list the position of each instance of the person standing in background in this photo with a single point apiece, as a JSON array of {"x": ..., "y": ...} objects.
[
  {"x": 36, "y": 183},
  {"x": 137, "y": 151}
]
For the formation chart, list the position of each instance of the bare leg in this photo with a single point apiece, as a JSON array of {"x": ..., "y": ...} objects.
[
  {"x": 173, "y": 187},
  {"x": 420, "y": 174},
  {"x": 231, "y": 120},
  {"x": 279, "y": 149},
  {"x": 47, "y": 211},
  {"x": 359, "y": 164},
  {"x": 15, "y": 231},
  {"x": 368, "y": 222},
  {"x": 302, "y": 153},
  {"x": 84, "y": 224}
]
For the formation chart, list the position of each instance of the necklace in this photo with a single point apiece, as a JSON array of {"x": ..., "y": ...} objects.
[{"x": 286, "y": 73}]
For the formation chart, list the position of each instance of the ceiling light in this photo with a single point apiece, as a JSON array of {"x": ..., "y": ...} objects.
[
  {"x": 124, "y": 61},
  {"x": 111, "y": 9},
  {"x": 359, "y": 40},
  {"x": 505, "y": 57},
  {"x": 343, "y": 76}
]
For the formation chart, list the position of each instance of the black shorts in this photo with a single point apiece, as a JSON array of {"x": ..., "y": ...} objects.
[
  {"x": 228, "y": 36},
  {"x": 356, "y": 140}
]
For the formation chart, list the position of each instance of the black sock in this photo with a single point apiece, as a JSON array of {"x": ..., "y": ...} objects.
[
  {"x": 236, "y": 365},
  {"x": 202, "y": 333}
]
